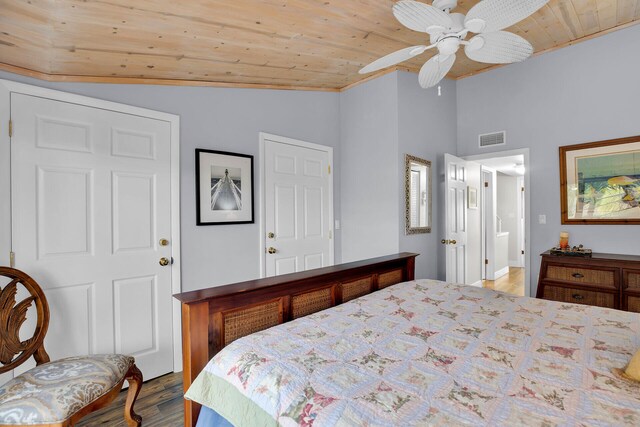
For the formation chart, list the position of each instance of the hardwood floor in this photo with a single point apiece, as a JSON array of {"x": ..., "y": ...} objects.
[
  {"x": 512, "y": 282},
  {"x": 159, "y": 404}
]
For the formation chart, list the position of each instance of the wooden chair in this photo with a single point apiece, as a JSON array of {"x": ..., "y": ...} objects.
[{"x": 54, "y": 394}]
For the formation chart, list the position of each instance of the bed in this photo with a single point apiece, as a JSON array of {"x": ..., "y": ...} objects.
[{"x": 428, "y": 353}]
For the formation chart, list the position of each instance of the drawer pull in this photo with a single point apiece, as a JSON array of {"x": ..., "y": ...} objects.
[
  {"x": 577, "y": 296},
  {"x": 578, "y": 275}
]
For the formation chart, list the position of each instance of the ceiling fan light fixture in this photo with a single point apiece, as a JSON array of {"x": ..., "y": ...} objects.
[
  {"x": 448, "y": 31},
  {"x": 448, "y": 45},
  {"x": 475, "y": 25}
]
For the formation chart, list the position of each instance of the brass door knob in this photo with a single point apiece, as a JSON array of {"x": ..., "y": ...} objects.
[
  {"x": 272, "y": 250},
  {"x": 164, "y": 242},
  {"x": 163, "y": 261},
  {"x": 271, "y": 235},
  {"x": 453, "y": 242},
  {"x": 444, "y": 241}
]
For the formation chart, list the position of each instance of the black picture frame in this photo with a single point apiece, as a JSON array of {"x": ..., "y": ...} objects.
[{"x": 244, "y": 162}]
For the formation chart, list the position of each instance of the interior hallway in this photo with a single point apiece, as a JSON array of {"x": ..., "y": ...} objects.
[{"x": 511, "y": 283}]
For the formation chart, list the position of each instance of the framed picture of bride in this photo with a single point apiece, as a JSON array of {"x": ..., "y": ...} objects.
[
  {"x": 224, "y": 188},
  {"x": 600, "y": 182}
]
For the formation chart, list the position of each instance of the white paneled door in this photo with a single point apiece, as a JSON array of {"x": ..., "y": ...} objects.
[
  {"x": 455, "y": 239},
  {"x": 298, "y": 208},
  {"x": 91, "y": 201}
]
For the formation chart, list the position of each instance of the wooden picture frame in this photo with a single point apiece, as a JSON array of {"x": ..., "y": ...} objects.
[
  {"x": 600, "y": 182},
  {"x": 224, "y": 188}
]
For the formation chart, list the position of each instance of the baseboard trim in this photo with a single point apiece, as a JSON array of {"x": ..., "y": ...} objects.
[
  {"x": 498, "y": 274},
  {"x": 514, "y": 263},
  {"x": 477, "y": 284}
]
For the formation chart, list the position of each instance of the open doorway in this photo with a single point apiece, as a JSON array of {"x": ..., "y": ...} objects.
[{"x": 503, "y": 207}]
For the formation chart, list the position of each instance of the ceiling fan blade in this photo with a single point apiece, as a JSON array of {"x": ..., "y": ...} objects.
[
  {"x": 421, "y": 17},
  {"x": 394, "y": 58},
  {"x": 501, "y": 47},
  {"x": 494, "y": 15},
  {"x": 435, "y": 69}
]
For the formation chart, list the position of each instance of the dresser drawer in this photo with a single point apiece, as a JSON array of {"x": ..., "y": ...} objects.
[
  {"x": 579, "y": 296},
  {"x": 583, "y": 276}
]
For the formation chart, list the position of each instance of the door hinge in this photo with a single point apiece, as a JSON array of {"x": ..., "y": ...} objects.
[
  {"x": 10, "y": 128},
  {"x": 486, "y": 184},
  {"x": 486, "y": 261},
  {"x": 522, "y": 252},
  {"x": 12, "y": 259},
  {"x": 330, "y": 234},
  {"x": 329, "y": 168},
  {"x": 522, "y": 189}
]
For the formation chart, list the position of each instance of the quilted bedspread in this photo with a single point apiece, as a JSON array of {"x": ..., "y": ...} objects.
[{"x": 430, "y": 353}]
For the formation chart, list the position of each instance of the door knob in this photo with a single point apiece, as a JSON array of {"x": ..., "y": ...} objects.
[
  {"x": 272, "y": 250},
  {"x": 163, "y": 261},
  {"x": 271, "y": 235},
  {"x": 164, "y": 242},
  {"x": 453, "y": 242},
  {"x": 444, "y": 241}
]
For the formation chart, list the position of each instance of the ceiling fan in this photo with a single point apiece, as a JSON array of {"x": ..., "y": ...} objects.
[{"x": 448, "y": 31}]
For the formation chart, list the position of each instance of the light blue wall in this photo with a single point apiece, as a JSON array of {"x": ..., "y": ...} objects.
[
  {"x": 586, "y": 92},
  {"x": 426, "y": 129},
  {"x": 381, "y": 121},
  {"x": 228, "y": 120},
  {"x": 369, "y": 148}
]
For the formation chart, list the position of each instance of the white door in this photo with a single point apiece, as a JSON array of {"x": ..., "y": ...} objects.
[
  {"x": 298, "y": 208},
  {"x": 90, "y": 203},
  {"x": 455, "y": 237}
]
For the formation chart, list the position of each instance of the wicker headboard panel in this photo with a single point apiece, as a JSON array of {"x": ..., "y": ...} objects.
[{"x": 212, "y": 318}]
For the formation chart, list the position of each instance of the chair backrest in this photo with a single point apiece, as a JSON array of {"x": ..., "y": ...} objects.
[{"x": 13, "y": 351}]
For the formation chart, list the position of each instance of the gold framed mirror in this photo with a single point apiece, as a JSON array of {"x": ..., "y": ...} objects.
[{"x": 417, "y": 190}]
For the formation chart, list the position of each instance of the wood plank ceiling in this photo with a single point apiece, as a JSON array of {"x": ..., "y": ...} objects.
[{"x": 287, "y": 43}]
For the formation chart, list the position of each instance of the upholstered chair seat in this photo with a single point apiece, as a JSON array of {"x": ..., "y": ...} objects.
[
  {"x": 60, "y": 393},
  {"x": 52, "y": 392}
]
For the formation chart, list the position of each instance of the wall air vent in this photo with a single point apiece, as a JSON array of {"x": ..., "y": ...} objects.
[{"x": 490, "y": 139}]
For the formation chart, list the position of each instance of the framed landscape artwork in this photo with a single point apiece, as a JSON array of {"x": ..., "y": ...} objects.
[
  {"x": 224, "y": 188},
  {"x": 600, "y": 182}
]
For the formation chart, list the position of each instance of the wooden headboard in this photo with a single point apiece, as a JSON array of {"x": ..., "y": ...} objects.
[{"x": 214, "y": 317}]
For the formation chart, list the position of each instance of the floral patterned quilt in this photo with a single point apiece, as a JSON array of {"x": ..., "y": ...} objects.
[{"x": 430, "y": 353}]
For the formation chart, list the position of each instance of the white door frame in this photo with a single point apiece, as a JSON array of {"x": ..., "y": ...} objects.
[
  {"x": 527, "y": 209},
  {"x": 488, "y": 220},
  {"x": 520, "y": 203},
  {"x": 6, "y": 88},
  {"x": 261, "y": 192}
]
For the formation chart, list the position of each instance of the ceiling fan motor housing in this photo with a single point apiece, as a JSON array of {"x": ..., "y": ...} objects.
[
  {"x": 448, "y": 41},
  {"x": 445, "y": 5}
]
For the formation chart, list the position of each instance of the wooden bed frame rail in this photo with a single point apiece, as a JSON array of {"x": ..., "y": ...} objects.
[{"x": 214, "y": 317}]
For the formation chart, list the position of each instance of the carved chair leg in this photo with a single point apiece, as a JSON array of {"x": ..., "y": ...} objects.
[{"x": 134, "y": 376}]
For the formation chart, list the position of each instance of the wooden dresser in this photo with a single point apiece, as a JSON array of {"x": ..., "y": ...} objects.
[{"x": 605, "y": 280}]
